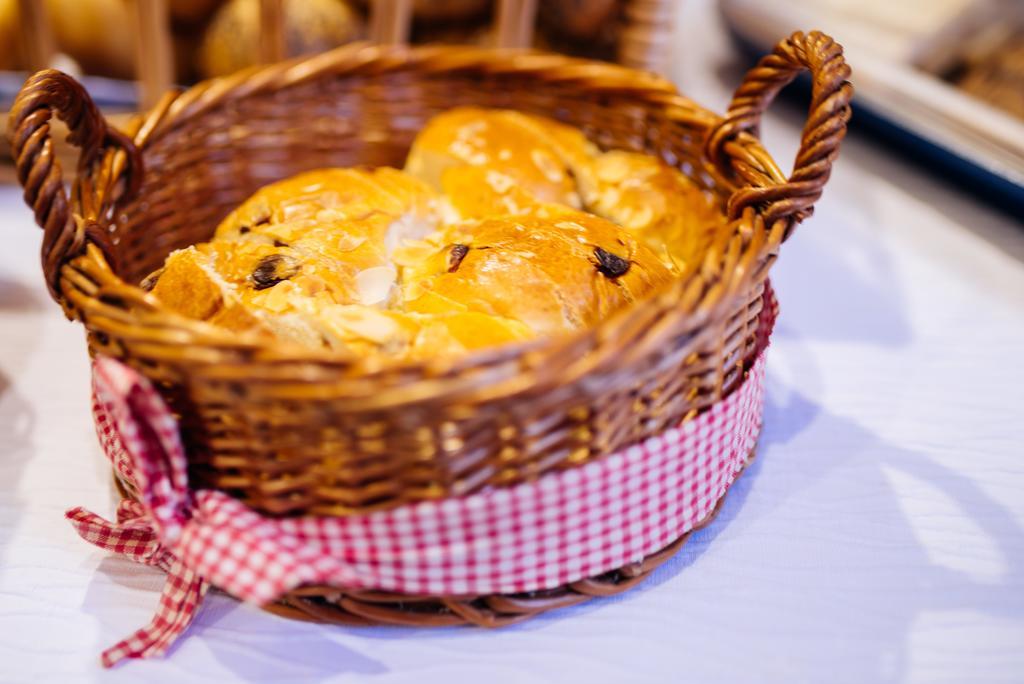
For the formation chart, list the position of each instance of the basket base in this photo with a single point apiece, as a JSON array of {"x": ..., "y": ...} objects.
[{"x": 364, "y": 607}]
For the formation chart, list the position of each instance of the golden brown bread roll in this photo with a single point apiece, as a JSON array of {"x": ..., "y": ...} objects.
[
  {"x": 320, "y": 198},
  {"x": 510, "y": 143},
  {"x": 554, "y": 273},
  {"x": 478, "y": 192},
  {"x": 301, "y": 248},
  {"x": 496, "y": 161},
  {"x": 654, "y": 201}
]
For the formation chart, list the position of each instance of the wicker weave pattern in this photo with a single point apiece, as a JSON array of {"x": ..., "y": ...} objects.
[{"x": 295, "y": 431}]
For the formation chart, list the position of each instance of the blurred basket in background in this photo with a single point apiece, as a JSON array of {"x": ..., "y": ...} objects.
[{"x": 163, "y": 42}]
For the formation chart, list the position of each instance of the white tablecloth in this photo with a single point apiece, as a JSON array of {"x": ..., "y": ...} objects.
[{"x": 878, "y": 538}]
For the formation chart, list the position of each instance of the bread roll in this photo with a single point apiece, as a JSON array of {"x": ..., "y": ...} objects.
[
  {"x": 299, "y": 249},
  {"x": 555, "y": 274},
  {"x": 654, "y": 201},
  {"x": 232, "y": 39},
  {"x": 514, "y": 145},
  {"x": 496, "y": 161}
]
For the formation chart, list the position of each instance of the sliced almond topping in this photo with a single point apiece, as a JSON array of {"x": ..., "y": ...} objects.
[
  {"x": 611, "y": 168},
  {"x": 406, "y": 227},
  {"x": 362, "y": 322},
  {"x": 277, "y": 298},
  {"x": 548, "y": 165},
  {"x": 498, "y": 181},
  {"x": 330, "y": 216},
  {"x": 571, "y": 225},
  {"x": 374, "y": 284}
]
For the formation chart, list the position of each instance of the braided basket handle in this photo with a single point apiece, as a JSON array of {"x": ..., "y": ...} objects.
[
  {"x": 762, "y": 184},
  {"x": 39, "y": 172}
]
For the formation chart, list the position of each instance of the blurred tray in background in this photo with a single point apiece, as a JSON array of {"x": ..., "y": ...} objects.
[{"x": 908, "y": 57}]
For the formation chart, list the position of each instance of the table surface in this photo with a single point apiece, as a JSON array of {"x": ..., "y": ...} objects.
[{"x": 879, "y": 536}]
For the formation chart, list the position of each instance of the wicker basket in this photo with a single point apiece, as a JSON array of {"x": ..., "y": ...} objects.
[{"x": 294, "y": 432}]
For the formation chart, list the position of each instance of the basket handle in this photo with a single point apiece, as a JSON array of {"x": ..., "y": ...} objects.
[
  {"x": 760, "y": 181},
  {"x": 46, "y": 93}
]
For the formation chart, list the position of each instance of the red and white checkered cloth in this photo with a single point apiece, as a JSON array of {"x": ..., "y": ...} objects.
[{"x": 562, "y": 528}]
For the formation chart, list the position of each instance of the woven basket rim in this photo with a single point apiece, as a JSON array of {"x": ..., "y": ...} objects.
[{"x": 367, "y": 58}]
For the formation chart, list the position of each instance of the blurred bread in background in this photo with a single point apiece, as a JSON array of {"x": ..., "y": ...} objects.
[
  {"x": 579, "y": 19},
  {"x": 443, "y": 10},
  {"x": 995, "y": 71},
  {"x": 232, "y": 39},
  {"x": 587, "y": 28},
  {"x": 94, "y": 33},
  {"x": 192, "y": 11},
  {"x": 9, "y": 56},
  {"x": 218, "y": 37}
]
